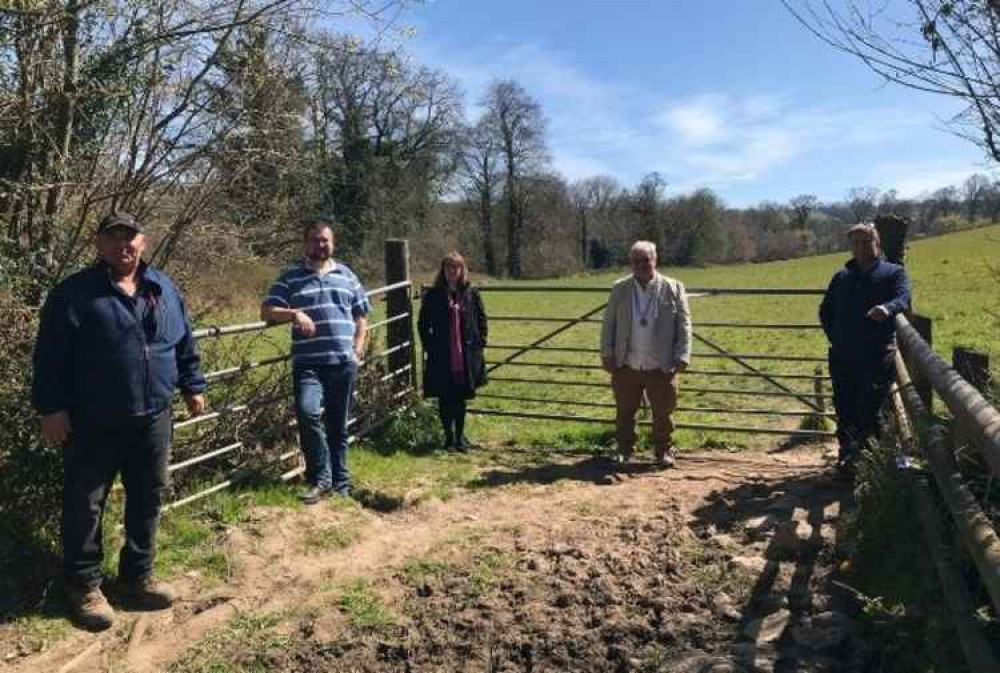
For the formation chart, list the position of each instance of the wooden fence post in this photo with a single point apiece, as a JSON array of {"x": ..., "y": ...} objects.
[
  {"x": 398, "y": 302},
  {"x": 972, "y": 366},
  {"x": 818, "y": 389},
  {"x": 921, "y": 383}
]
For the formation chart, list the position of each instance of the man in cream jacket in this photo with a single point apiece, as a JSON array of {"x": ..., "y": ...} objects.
[{"x": 645, "y": 345}]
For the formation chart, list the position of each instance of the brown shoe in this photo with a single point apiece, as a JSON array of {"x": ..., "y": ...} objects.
[
  {"x": 89, "y": 608},
  {"x": 144, "y": 594}
]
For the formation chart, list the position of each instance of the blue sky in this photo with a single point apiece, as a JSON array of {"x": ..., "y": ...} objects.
[{"x": 733, "y": 95}]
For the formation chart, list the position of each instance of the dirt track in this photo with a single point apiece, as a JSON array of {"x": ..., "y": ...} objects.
[{"x": 719, "y": 565}]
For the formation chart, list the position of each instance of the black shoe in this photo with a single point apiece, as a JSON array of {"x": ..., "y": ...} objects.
[
  {"x": 462, "y": 445},
  {"x": 845, "y": 468}
]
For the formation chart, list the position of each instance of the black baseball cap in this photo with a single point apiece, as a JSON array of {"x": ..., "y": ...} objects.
[{"x": 119, "y": 219}]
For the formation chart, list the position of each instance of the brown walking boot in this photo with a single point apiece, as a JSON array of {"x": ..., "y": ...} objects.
[
  {"x": 144, "y": 593},
  {"x": 89, "y": 608}
]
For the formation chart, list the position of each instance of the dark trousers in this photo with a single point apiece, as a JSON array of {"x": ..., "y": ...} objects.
[
  {"x": 451, "y": 410},
  {"x": 860, "y": 389},
  {"x": 137, "y": 448}
]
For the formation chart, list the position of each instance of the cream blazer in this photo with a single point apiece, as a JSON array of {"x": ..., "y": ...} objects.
[{"x": 672, "y": 327}]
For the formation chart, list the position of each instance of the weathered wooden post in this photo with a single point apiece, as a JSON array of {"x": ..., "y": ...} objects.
[
  {"x": 818, "y": 388},
  {"x": 892, "y": 230},
  {"x": 398, "y": 303},
  {"x": 972, "y": 366},
  {"x": 817, "y": 421},
  {"x": 921, "y": 383}
]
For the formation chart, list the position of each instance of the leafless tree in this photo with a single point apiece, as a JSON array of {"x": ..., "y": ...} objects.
[
  {"x": 801, "y": 207},
  {"x": 862, "y": 202},
  {"x": 481, "y": 175},
  {"x": 515, "y": 119},
  {"x": 593, "y": 199},
  {"x": 946, "y": 47},
  {"x": 974, "y": 192}
]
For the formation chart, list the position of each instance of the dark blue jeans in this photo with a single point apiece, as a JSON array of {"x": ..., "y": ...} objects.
[
  {"x": 322, "y": 403},
  {"x": 138, "y": 448}
]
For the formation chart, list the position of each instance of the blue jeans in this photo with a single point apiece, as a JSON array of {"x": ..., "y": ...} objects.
[{"x": 322, "y": 403}]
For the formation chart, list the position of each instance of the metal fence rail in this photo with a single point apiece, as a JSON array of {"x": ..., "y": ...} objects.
[{"x": 512, "y": 355}]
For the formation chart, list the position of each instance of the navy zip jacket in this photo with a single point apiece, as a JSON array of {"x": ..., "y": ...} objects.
[
  {"x": 851, "y": 294},
  {"x": 101, "y": 355}
]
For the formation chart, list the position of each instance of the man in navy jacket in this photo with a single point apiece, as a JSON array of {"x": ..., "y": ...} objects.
[
  {"x": 114, "y": 344},
  {"x": 857, "y": 315}
]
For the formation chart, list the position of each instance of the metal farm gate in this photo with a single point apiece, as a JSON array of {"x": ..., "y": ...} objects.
[{"x": 547, "y": 362}]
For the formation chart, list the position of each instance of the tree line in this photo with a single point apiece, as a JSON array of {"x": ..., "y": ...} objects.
[{"x": 223, "y": 123}]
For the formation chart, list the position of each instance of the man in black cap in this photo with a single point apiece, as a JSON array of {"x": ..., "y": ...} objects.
[
  {"x": 114, "y": 344},
  {"x": 857, "y": 315}
]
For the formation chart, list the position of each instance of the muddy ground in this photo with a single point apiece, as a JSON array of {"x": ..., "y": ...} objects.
[{"x": 725, "y": 563}]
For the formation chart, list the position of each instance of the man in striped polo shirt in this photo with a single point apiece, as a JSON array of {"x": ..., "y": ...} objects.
[{"x": 327, "y": 307}]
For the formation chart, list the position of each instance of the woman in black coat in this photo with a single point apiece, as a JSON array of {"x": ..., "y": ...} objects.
[{"x": 453, "y": 331}]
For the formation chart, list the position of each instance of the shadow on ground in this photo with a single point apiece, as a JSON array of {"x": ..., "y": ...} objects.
[
  {"x": 788, "y": 527},
  {"x": 541, "y": 467}
]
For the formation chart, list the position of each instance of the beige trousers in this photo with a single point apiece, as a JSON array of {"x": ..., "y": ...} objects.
[{"x": 661, "y": 390}]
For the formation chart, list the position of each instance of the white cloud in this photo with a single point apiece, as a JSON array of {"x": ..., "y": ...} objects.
[
  {"x": 919, "y": 179},
  {"x": 715, "y": 139},
  {"x": 722, "y": 138}
]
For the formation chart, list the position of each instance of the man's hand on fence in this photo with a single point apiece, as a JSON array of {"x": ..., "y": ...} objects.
[
  {"x": 56, "y": 428},
  {"x": 195, "y": 404},
  {"x": 609, "y": 364},
  {"x": 304, "y": 324}
]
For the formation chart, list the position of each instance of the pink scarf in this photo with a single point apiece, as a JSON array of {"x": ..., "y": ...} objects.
[{"x": 455, "y": 338}]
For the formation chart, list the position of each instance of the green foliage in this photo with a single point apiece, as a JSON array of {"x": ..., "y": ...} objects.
[
  {"x": 415, "y": 430},
  {"x": 364, "y": 608},
  {"x": 890, "y": 569},
  {"x": 248, "y": 644},
  {"x": 30, "y": 475}
]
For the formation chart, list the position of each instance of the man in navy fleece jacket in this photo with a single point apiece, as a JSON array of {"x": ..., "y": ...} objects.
[
  {"x": 857, "y": 315},
  {"x": 113, "y": 346}
]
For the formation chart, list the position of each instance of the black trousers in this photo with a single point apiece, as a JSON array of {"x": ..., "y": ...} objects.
[
  {"x": 451, "y": 410},
  {"x": 138, "y": 448},
  {"x": 860, "y": 389}
]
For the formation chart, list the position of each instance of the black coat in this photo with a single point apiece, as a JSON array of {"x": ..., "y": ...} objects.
[{"x": 433, "y": 326}]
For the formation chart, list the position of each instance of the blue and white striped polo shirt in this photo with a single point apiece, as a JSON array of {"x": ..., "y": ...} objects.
[{"x": 333, "y": 300}]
